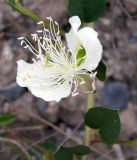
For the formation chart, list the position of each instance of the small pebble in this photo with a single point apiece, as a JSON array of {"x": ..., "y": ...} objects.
[
  {"x": 133, "y": 38},
  {"x": 115, "y": 94},
  {"x": 12, "y": 92}
]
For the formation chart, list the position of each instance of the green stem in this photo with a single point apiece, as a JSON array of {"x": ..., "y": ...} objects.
[
  {"x": 89, "y": 133},
  {"x": 17, "y": 1},
  {"x": 17, "y": 6},
  {"x": 128, "y": 142}
]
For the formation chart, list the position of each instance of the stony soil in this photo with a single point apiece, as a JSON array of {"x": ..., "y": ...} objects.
[{"x": 118, "y": 34}]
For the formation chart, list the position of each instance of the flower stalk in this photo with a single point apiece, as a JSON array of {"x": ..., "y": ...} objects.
[{"x": 88, "y": 132}]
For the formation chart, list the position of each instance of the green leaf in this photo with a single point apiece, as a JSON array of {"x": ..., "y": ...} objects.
[
  {"x": 101, "y": 71},
  {"x": 49, "y": 146},
  {"x": 33, "y": 152},
  {"x": 87, "y": 10},
  {"x": 63, "y": 154},
  {"x": 96, "y": 117},
  {"x": 80, "y": 57},
  {"x": 79, "y": 150},
  {"x": 7, "y": 119},
  {"x": 48, "y": 155},
  {"x": 12, "y": 1},
  {"x": 106, "y": 120},
  {"x": 109, "y": 132}
]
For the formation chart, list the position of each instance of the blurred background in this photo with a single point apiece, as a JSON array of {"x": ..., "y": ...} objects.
[{"x": 118, "y": 33}]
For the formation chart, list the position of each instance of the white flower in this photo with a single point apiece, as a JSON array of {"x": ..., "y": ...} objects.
[{"x": 56, "y": 72}]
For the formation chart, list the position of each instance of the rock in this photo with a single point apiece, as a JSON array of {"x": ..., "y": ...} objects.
[
  {"x": 1, "y": 17},
  {"x": 8, "y": 63},
  {"x": 12, "y": 92},
  {"x": 131, "y": 6},
  {"x": 133, "y": 37},
  {"x": 115, "y": 94},
  {"x": 51, "y": 8},
  {"x": 72, "y": 110},
  {"x": 117, "y": 11},
  {"x": 41, "y": 106},
  {"x": 134, "y": 97},
  {"x": 71, "y": 118},
  {"x": 49, "y": 110},
  {"x": 128, "y": 119},
  {"x": 22, "y": 107},
  {"x": 73, "y": 103}
]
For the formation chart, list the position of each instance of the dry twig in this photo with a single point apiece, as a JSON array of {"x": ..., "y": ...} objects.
[
  {"x": 29, "y": 128},
  {"x": 33, "y": 115},
  {"x": 8, "y": 140},
  {"x": 118, "y": 152}
]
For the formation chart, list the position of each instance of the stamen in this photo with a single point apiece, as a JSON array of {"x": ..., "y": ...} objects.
[
  {"x": 53, "y": 54},
  {"x": 75, "y": 94}
]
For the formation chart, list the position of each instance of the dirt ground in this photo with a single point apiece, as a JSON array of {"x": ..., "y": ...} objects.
[{"x": 118, "y": 33}]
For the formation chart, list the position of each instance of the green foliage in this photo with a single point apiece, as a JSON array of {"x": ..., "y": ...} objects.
[
  {"x": 63, "y": 153},
  {"x": 7, "y": 119},
  {"x": 48, "y": 155},
  {"x": 49, "y": 146},
  {"x": 32, "y": 151},
  {"x": 13, "y": 2},
  {"x": 79, "y": 150},
  {"x": 80, "y": 56},
  {"x": 106, "y": 120},
  {"x": 87, "y": 10},
  {"x": 101, "y": 71},
  {"x": 66, "y": 153}
]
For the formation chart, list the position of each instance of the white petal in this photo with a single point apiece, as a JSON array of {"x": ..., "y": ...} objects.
[
  {"x": 41, "y": 81},
  {"x": 75, "y": 23},
  {"x": 93, "y": 47},
  {"x": 72, "y": 41},
  {"x": 21, "y": 72},
  {"x": 71, "y": 37},
  {"x": 53, "y": 94}
]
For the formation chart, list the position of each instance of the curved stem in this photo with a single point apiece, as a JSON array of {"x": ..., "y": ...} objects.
[
  {"x": 8, "y": 140},
  {"x": 18, "y": 6},
  {"x": 44, "y": 121}
]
